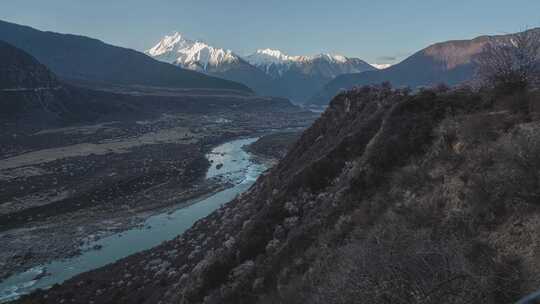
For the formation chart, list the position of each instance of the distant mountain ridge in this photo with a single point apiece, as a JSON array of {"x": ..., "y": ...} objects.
[
  {"x": 191, "y": 54},
  {"x": 201, "y": 57},
  {"x": 78, "y": 58},
  {"x": 305, "y": 75},
  {"x": 450, "y": 62},
  {"x": 277, "y": 63},
  {"x": 268, "y": 72}
]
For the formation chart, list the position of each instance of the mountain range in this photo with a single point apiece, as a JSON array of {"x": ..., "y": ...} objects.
[
  {"x": 314, "y": 80},
  {"x": 201, "y": 57},
  {"x": 304, "y": 75},
  {"x": 267, "y": 71},
  {"x": 451, "y": 62},
  {"x": 310, "y": 80},
  {"x": 33, "y": 97},
  {"x": 80, "y": 59}
]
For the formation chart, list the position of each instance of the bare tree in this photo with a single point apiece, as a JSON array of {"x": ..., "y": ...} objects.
[{"x": 512, "y": 63}]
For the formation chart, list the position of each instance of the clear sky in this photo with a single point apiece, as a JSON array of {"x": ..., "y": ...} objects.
[{"x": 376, "y": 31}]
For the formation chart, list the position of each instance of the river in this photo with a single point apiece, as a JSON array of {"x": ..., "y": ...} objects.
[{"x": 238, "y": 168}]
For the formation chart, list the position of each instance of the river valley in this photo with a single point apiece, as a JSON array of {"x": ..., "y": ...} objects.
[{"x": 230, "y": 164}]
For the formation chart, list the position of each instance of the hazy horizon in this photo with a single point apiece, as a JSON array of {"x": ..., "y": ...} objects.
[{"x": 376, "y": 32}]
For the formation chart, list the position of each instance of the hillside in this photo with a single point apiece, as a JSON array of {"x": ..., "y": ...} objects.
[
  {"x": 387, "y": 197},
  {"x": 19, "y": 70},
  {"x": 451, "y": 62},
  {"x": 78, "y": 58}
]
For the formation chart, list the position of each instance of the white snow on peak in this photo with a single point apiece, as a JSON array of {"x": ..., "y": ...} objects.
[
  {"x": 339, "y": 58},
  {"x": 199, "y": 56},
  {"x": 381, "y": 66},
  {"x": 190, "y": 54},
  {"x": 275, "y": 62},
  {"x": 268, "y": 56},
  {"x": 271, "y": 56},
  {"x": 167, "y": 44}
]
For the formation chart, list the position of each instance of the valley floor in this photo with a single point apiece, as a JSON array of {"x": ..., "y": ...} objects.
[{"x": 63, "y": 188}]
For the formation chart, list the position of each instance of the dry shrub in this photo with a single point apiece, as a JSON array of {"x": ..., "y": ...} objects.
[
  {"x": 512, "y": 67},
  {"x": 398, "y": 265},
  {"x": 511, "y": 64},
  {"x": 520, "y": 155}
]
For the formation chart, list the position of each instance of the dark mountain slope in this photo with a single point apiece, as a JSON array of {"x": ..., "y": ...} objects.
[
  {"x": 78, "y": 58},
  {"x": 251, "y": 76},
  {"x": 31, "y": 95},
  {"x": 450, "y": 62},
  {"x": 19, "y": 70},
  {"x": 387, "y": 198},
  {"x": 32, "y": 98}
]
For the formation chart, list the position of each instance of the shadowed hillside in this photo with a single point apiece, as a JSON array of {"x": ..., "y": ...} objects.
[{"x": 19, "y": 70}]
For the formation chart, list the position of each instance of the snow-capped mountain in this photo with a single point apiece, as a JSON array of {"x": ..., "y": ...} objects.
[
  {"x": 381, "y": 66},
  {"x": 267, "y": 71},
  {"x": 199, "y": 56},
  {"x": 191, "y": 54},
  {"x": 304, "y": 75},
  {"x": 270, "y": 56},
  {"x": 277, "y": 63}
]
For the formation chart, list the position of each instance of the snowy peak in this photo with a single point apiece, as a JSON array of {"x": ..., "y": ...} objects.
[
  {"x": 267, "y": 56},
  {"x": 325, "y": 56},
  {"x": 191, "y": 54},
  {"x": 167, "y": 44},
  {"x": 199, "y": 56},
  {"x": 272, "y": 56},
  {"x": 381, "y": 66},
  {"x": 276, "y": 63},
  {"x": 267, "y": 71}
]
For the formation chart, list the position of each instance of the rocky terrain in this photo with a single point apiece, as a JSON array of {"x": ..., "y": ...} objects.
[{"x": 388, "y": 197}]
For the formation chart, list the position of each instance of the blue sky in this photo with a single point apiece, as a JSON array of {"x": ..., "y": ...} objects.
[{"x": 376, "y": 31}]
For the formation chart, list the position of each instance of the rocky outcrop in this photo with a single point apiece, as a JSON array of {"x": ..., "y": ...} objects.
[{"x": 388, "y": 197}]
